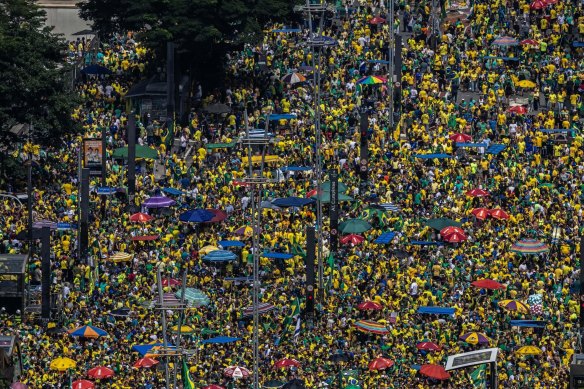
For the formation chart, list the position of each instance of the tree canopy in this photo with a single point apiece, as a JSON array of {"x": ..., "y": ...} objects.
[
  {"x": 203, "y": 30},
  {"x": 33, "y": 76}
]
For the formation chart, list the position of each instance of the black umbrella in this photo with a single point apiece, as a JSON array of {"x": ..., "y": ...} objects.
[
  {"x": 295, "y": 384},
  {"x": 400, "y": 254},
  {"x": 217, "y": 108},
  {"x": 339, "y": 357},
  {"x": 121, "y": 312}
]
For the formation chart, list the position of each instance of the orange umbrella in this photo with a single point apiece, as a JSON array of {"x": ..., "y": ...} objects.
[
  {"x": 380, "y": 363},
  {"x": 499, "y": 214},
  {"x": 480, "y": 213}
]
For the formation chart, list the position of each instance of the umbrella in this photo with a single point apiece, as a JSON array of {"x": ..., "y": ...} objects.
[
  {"x": 380, "y": 363},
  {"x": 435, "y": 372},
  {"x": 428, "y": 346},
  {"x": 514, "y": 305},
  {"x": 295, "y": 202},
  {"x": 274, "y": 384},
  {"x": 505, "y": 41},
  {"x": 518, "y": 109},
  {"x": 236, "y": 372},
  {"x": 170, "y": 282},
  {"x": 339, "y": 357},
  {"x": 196, "y": 216},
  {"x": 442, "y": 222},
  {"x": 100, "y": 372},
  {"x": 158, "y": 202},
  {"x": 120, "y": 257},
  {"x": 455, "y": 237},
  {"x": 354, "y": 226},
  {"x": 18, "y": 385},
  {"x": 220, "y": 256},
  {"x": 477, "y": 193},
  {"x": 183, "y": 329},
  {"x": 475, "y": 338},
  {"x": 173, "y": 191},
  {"x": 487, "y": 284},
  {"x": 460, "y": 138},
  {"x": 480, "y": 213},
  {"x": 230, "y": 243},
  {"x": 376, "y": 20},
  {"x": 195, "y": 297},
  {"x": 325, "y": 197},
  {"x": 88, "y": 332},
  {"x": 498, "y": 214},
  {"x": 286, "y": 362},
  {"x": 213, "y": 387},
  {"x": 120, "y": 312},
  {"x": 525, "y": 84},
  {"x": 447, "y": 231},
  {"x": 217, "y": 108},
  {"x": 529, "y": 246},
  {"x": 220, "y": 340},
  {"x": 372, "y": 80},
  {"x": 246, "y": 231},
  {"x": 529, "y": 350},
  {"x": 369, "y": 306},
  {"x": 62, "y": 364},
  {"x": 144, "y": 238},
  {"x": 370, "y": 326},
  {"x": 82, "y": 384},
  {"x": 143, "y": 152},
  {"x": 295, "y": 384},
  {"x": 96, "y": 69},
  {"x": 145, "y": 362},
  {"x": 219, "y": 215},
  {"x": 140, "y": 217},
  {"x": 538, "y": 4},
  {"x": 293, "y": 78},
  {"x": 352, "y": 239},
  {"x": 208, "y": 249},
  {"x": 262, "y": 308},
  {"x": 529, "y": 42},
  {"x": 550, "y": 2}
]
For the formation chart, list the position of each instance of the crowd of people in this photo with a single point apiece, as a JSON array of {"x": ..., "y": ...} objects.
[{"x": 499, "y": 73}]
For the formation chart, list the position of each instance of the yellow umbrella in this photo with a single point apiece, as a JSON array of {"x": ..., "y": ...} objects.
[
  {"x": 208, "y": 249},
  {"x": 121, "y": 257},
  {"x": 514, "y": 305},
  {"x": 526, "y": 84},
  {"x": 183, "y": 329},
  {"x": 256, "y": 159},
  {"x": 529, "y": 350},
  {"x": 63, "y": 363}
]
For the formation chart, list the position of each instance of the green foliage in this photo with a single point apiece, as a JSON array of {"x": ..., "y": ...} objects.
[
  {"x": 203, "y": 30},
  {"x": 33, "y": 80}
]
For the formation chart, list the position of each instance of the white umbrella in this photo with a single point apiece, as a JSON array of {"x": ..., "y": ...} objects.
[{"x": 236, "y": 372}]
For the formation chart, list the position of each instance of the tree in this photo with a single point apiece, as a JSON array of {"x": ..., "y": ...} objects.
[
  {"x": 33, "y": 77},
  {"x": 203, "y": 30}
]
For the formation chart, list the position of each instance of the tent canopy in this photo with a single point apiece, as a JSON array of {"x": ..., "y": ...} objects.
[
  {"x": 436, "y": 310},
  {"x": 386, "y": 237}
]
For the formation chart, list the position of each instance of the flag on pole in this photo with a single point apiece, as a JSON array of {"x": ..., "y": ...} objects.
[
  {"x": 188, "y": 382},
  {"x": 478, "y": 376},
  {"x": 288, "y": 320},
  {"x": 297, "y": 329}
]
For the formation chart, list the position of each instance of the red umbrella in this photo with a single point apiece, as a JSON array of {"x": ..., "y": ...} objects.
[
  {"x": 460, "y": 138},
  {"x": 213, "y": 387},
  {"x": 377, "y": 20},
  {"x": 455, "y": 237},
  {"x": 518, "y": 109},
  {"x": 480, "y": 213},
  {"x": 240, "y": 183},
  {"x": 82, "y": 384},
  {"x": 380, "y": 363},
  {"x": 499, "y": 214},
  {"x": 144, "y": 238},
  {"x": 487, "y": 284},
  {"x": 436, "y": 372},
  {"x": 529, "y": 42},
  {"x": 145, "y": 362},
  {"x": 550, "y": 2},
  {"x": 446, "y": 231},
  {"x": 428, "y": 346},
  {"x": 311, "y": 193},
  {"x": 171, "y": 282},
  {"x": 219, "y": 215},
  {"x": 100, "y": 372},
  {"x": 352, "y": 239},
  {"x": 286, "y": 362},
  {"x": 538, "y": 4},
  {"x": 477, "y": 193},
  {"x": 369, "y": 306},
  {"x": 140, "y": 217}
]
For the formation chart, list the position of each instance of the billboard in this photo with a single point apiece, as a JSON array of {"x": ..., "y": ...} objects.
[{"x": 92, "y": 153}]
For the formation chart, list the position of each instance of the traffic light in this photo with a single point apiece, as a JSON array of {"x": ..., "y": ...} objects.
[{"x": 309, "y": 299}]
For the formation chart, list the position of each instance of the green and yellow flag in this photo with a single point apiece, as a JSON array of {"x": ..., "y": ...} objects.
[
  {"x": 478, "y": 376},
  {"x": 188, "y": 382}
]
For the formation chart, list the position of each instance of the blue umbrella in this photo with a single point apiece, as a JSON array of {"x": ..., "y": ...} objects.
[
  {"x": 196, "y": 216},
  {"x": 220, "y": 256},
  {"x": 296, "y": 202},
  {"x": 230, "y": 243},
  {"x": 172, "y": 191},
  {"x": 274, "y": 255},
  {"x": 220, "y": 340}
]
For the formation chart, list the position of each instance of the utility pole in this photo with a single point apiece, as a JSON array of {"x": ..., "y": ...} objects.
[
  {"x": 170, "y": 93},
  {"x": 103, "y": 169},
  {"x": 131, "y": 161},
  {"x": 390, "y": 59}
]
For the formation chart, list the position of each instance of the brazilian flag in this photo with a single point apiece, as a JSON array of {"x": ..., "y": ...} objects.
[
  {"x": 167, "y": 135},
  {"x": 478, "y": 376},
  {"x": 188, "y": 382}
]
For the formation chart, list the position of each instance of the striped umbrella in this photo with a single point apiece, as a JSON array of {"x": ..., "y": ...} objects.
[
  {"x": 529, "y": 246},
  {"x": 389, "y": 207},
  {"x": 480, "y": 213},
  {"x": 475, "y": 338},
  {"x": 505, "y": 41},
  {"x": 371, "y": 327},
  {"x": 514, "y": 305},
  {"x": 158, "y": 202},
  {"x": 293, "y": 78},
  {"x": 372, "y": 80},
  {"x": 380, "y": 363},
  {"x": 88, "y": 332},
  {"x": 262, "y": 308},
  {"x": 120, "y": 257},
  {"x": 236, "y": 372}
]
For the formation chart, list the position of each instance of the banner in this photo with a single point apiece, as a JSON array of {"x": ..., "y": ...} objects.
[
  {"x": 334, "y": 210},
  {"x": 92, "y": 153}
]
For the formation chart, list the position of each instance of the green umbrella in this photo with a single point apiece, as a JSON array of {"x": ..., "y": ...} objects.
[
  {"x": 141, "y": 152},
  {"x": 325, "y": 197},
  {"x": 354, "y": 226},
  {"x": 273, "y": 384},
  {"x": 326, "y": 187},
  {"x": 207, "y": 331},
  {"x": 442, "y": 222}
]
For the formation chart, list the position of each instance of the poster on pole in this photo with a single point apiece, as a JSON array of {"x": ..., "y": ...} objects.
[{"x": 92, "y": 155}]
